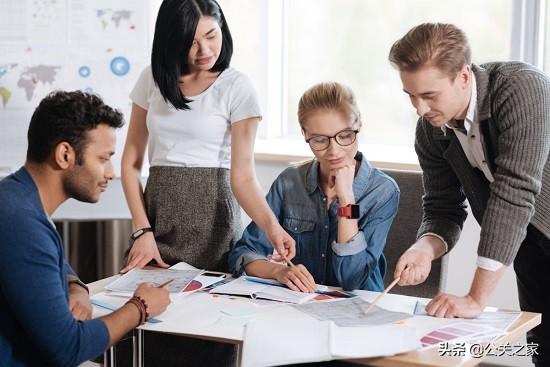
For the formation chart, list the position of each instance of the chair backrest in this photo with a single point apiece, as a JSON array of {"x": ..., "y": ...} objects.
[{"x": 403, "y": 234}]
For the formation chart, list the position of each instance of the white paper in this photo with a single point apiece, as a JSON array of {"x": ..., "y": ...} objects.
[
  {"x": 366, "y": 342},
  {"x": 182, "y": 265},
  {"x": 392, "y": 302},
  {"x": 274, "y": 344},
  {"x": 239, "y": 287},
  {"x": 500, "y": 320},
  {"x": 306, "y": 340},
  {"x": 130, "y": 281},
  {"x": 350, "y": 312}
]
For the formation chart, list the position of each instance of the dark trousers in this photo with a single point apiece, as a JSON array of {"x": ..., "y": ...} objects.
[{"x": 532, "y": 267}]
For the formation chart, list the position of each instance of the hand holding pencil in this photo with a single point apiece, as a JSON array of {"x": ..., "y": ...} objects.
[
  {"x": 166, "y": 283},
  {"x": 296, "y": 277},
  {"x": 155, "y": 296},
  {"x": 388, "y": 288},
  {"x": 373, "y": 303}
]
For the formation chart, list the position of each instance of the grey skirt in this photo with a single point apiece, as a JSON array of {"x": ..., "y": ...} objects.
[{"x": 194, "y": 215}]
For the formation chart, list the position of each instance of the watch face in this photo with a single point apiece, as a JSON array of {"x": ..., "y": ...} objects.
[{"x": 137, "y": 234}]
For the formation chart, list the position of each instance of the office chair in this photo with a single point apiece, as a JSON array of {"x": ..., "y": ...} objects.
[{"x": 403, "y": 234}]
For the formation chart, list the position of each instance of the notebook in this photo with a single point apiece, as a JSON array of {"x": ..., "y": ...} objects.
[{"x": 264, "y": 290}]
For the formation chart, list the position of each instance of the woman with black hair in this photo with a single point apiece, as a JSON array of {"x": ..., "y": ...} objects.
[{"x": 198, "y": 118}]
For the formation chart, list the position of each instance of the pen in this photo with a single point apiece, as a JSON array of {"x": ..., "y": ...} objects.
[{"x": 166, "y": 283}]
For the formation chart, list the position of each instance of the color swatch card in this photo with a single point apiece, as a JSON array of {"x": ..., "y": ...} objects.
[
  {"x": 460, "y": 332},
  {"x": 201, "y": 282}
]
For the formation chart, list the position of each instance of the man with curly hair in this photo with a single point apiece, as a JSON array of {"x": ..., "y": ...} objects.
[{"x": 45, "y": 310}]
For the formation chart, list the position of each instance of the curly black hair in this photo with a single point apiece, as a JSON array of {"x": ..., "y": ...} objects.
[{"x": 67, "y": 116}]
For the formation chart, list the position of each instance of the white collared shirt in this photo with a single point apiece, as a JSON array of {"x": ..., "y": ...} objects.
[
  {"x": 472, "y": 141},
  {"x": 472, "y": 145}
]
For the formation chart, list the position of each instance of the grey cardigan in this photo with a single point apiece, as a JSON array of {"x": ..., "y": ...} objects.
[{"x": 514, "y": 113}]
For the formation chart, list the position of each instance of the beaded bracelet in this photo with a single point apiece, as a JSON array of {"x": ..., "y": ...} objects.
[
  {"x": 137, "y": 304},
  {"x": 142, "y": 308},
  {"x": 145, "y": 307}
]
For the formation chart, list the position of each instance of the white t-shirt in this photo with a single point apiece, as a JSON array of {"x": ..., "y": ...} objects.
[{"x": 200, "y": 136}]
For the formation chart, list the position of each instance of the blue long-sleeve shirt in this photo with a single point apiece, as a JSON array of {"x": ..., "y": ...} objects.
[
  {"x": 300, "y": 205},
  {"x": 37, "y": 327}
]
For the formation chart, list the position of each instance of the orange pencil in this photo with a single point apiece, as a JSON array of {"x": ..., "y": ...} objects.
[
  {"x": 166, "y": 283},
  {"x": 373, "y": 303}
]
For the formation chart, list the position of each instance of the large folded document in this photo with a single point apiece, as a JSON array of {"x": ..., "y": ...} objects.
[
  {"x": 243, "y": 287},
  {"x": 302, "y": 341}
]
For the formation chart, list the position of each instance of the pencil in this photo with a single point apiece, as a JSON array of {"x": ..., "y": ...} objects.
[
  {"x": 314, "y": 286},
  {"x": 373, "y": 303},
  {"x": 166, "y": 283}
]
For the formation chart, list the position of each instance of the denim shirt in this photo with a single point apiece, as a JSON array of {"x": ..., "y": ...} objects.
[{"x": 300, "y": 205}]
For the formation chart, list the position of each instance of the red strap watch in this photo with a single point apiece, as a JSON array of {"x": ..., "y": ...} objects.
[{"x": 350, "y": 211}]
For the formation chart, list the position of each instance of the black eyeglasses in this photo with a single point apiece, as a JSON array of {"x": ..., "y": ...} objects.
[{"x": 344, "y": 138}]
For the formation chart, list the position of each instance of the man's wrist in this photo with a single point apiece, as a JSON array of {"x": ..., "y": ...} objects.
[
  {"x": 483, "y": 284},
  {"x": 431, "y": 244},
  {"x": 78, "y": 283}
]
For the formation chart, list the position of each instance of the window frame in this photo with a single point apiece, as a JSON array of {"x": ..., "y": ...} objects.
[{"x": 527, "y": 44}]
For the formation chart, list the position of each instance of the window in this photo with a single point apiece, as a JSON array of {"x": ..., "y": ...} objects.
[
  {"x": 349, "y": 42},
  {"x": 285, "y": 46},
  {"x": 547, "y": 39}
]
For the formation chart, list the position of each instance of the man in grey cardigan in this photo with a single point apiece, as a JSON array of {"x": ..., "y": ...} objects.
[{"x": 483, "y": 135}]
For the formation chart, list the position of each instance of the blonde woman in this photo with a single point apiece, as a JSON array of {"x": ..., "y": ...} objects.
[{"x": 337, "y": 207}]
